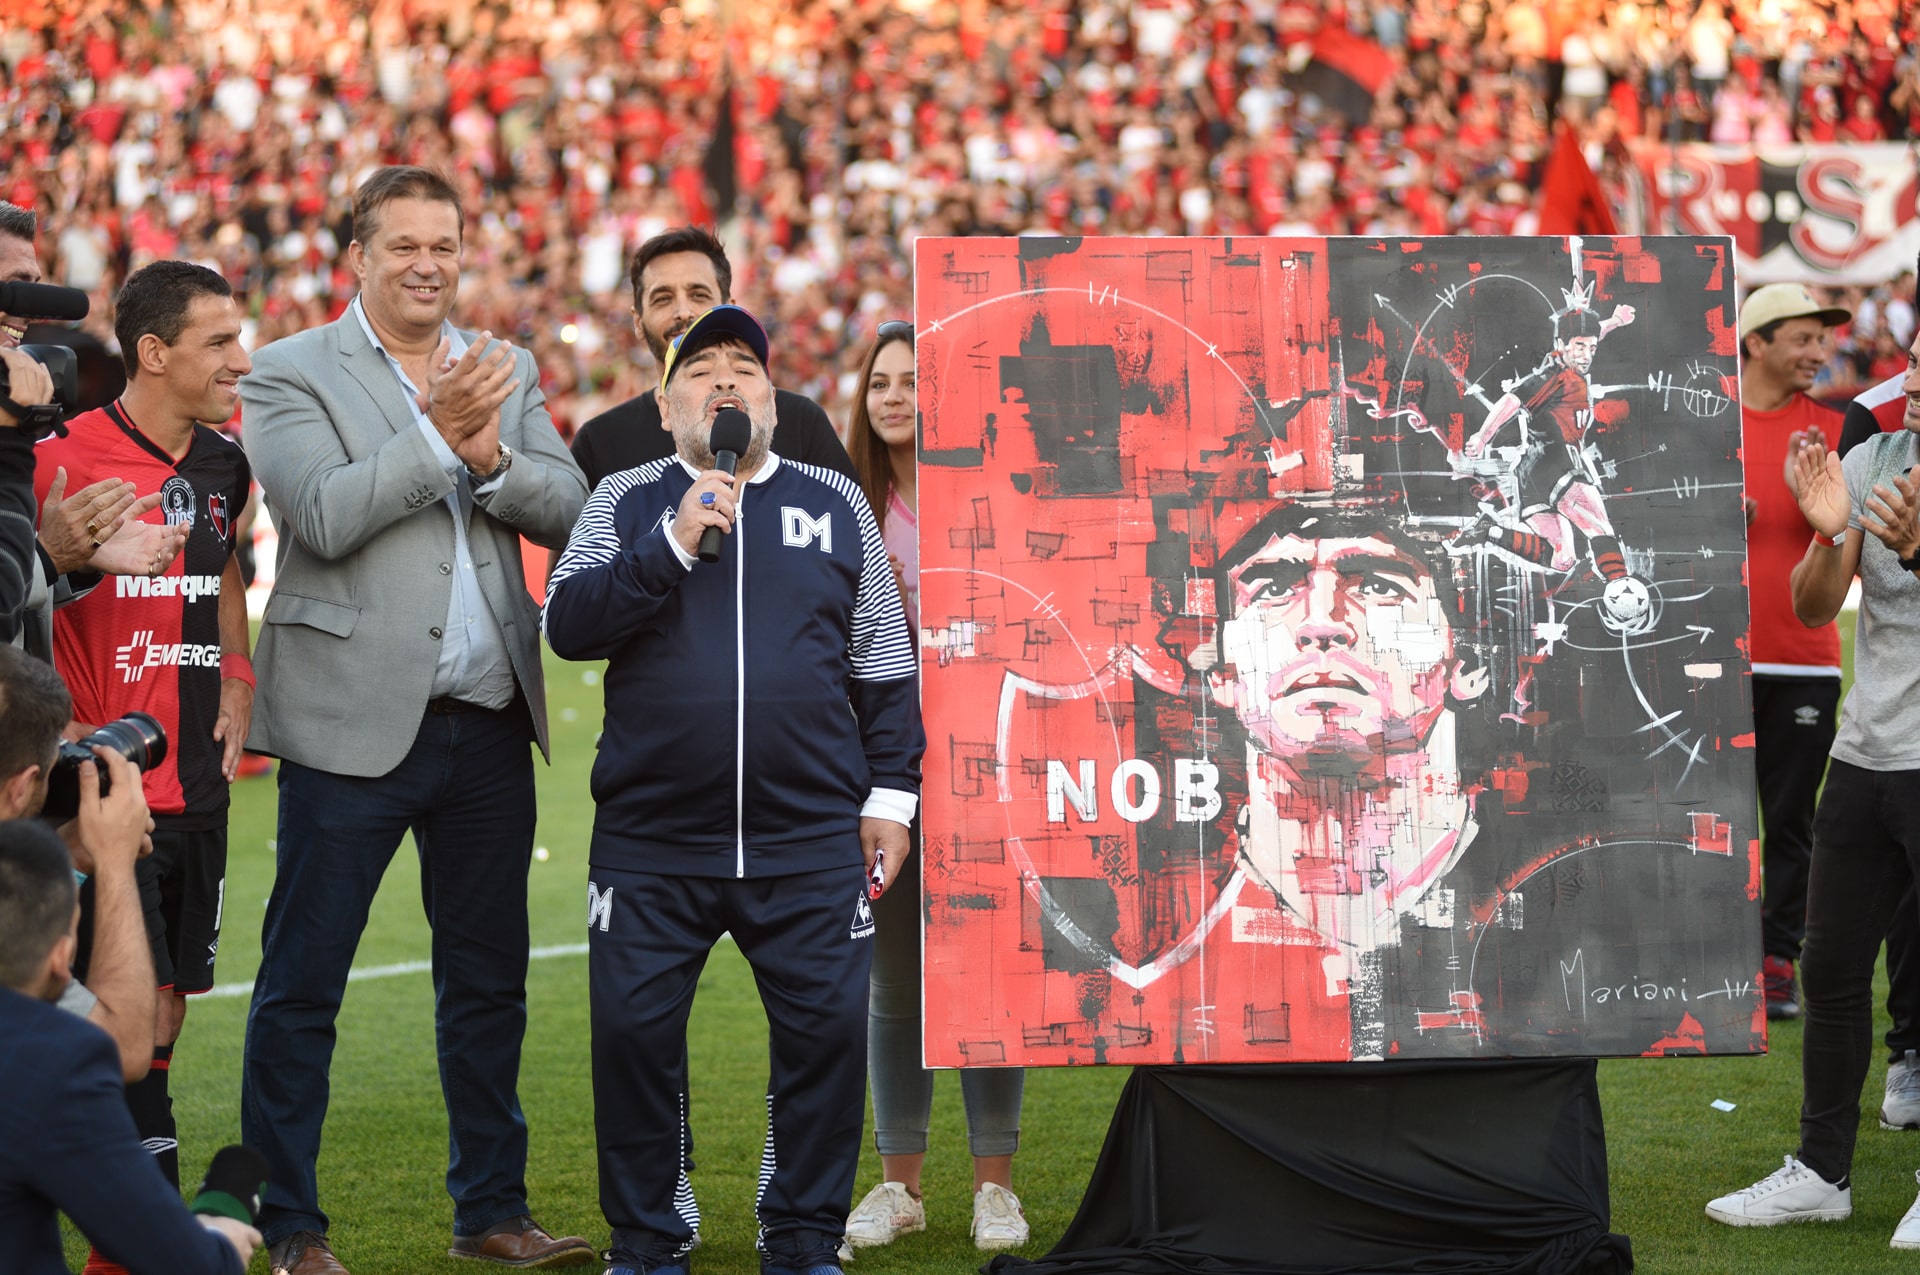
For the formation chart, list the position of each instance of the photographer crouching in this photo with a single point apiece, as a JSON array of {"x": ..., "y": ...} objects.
[
  {"x": 67, "y": 1142},
  {"x": 105, "y": 832}
]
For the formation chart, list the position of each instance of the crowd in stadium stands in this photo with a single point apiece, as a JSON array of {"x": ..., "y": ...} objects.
[{"x": 232, "y": 131}]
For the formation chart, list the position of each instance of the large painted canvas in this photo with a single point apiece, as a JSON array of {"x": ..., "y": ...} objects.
[{"x": 1333, "y": 649}]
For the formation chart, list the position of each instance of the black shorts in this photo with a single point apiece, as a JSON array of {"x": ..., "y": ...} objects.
[
  {"x": 182, "y": 890},
  {"x": 1545, "y": 472}
]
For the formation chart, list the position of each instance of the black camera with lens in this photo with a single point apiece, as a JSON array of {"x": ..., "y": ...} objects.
[
  {"x": 46, "y": 302},
  {"x": 137, "y": 737}
]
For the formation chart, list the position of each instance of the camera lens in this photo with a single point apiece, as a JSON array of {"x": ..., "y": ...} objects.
[{"x": 137, "y": 737}]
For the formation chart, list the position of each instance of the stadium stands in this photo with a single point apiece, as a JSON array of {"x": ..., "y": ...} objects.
[{"x": 231, "y": 131}]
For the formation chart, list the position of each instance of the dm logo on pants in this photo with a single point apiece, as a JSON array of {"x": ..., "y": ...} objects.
[{"x": 862, "y": 926}]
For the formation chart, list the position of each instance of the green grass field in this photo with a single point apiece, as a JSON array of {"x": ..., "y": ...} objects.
[{"x": 385, "y": 1151}]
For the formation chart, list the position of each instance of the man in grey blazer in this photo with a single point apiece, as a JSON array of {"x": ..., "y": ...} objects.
[{"x": 399, "y": 682}]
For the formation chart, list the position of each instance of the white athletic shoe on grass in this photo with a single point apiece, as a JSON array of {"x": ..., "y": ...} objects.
[
  {"x": 1791, "y": 1193},
  {"x": 1901, "y": 1110},
  {"x": 998, "y": 1221},
  {"x": 887, "y": 1213},
  {"x": 1907, "y": 1234}
]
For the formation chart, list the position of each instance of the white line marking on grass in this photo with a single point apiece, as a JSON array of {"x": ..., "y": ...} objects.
[{"x": 402, "y": 967}]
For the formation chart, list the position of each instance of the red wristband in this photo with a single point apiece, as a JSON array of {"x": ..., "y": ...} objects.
[
  {"x": 237, "y": 667},
  {"x": 1821, "y": 538}
]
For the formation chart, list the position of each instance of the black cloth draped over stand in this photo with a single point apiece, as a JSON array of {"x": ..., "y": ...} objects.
[{"x": 1482, "y": 1166}]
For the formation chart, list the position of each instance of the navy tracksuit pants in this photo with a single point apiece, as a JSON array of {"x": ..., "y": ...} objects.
[{"x": 809, "y": 939}]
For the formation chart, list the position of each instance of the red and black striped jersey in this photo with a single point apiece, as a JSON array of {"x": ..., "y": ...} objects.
[
  {"x": 152, "y": 644},
  {"x": 1879, "y": 410}
]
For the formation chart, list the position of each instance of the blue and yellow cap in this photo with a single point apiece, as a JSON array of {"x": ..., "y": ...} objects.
[{"x": 721, "y": 321}]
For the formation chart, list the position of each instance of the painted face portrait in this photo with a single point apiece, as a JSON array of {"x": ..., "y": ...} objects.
[
  {"x": 1337, "y": 659},
  {"x": 1578, "y": 353},
  {"x": 1336, "y": 653}
]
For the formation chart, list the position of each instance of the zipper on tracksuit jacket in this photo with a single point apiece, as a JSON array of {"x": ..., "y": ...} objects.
[{"x": 740, "y": 684}]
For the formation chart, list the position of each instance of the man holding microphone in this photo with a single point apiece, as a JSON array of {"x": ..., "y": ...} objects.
[{"x": 759, "y": 769}]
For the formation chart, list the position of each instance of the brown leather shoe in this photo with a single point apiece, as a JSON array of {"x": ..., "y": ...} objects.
[
  {"x": 521, "y": 1241},
  {"x": 304, "y": 1253}
]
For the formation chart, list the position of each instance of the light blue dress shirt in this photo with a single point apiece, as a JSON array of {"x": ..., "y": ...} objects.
[{"x": 474, "y": 665}]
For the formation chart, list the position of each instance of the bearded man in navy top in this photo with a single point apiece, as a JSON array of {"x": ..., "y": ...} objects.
[{"x": 758, "y": 768}]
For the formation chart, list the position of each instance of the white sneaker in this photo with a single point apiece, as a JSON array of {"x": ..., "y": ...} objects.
[
  {"x": 1791, "y": 1193},
  {"x": 1901, "y": 1110},
  {"x": 1907, "y": 1234},
  {"x": 885, "y": 1215},
  {"x": 997, "y": 1219}
]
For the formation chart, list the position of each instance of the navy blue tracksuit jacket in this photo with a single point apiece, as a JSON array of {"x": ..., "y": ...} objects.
[{"x": 753, "y": 704}]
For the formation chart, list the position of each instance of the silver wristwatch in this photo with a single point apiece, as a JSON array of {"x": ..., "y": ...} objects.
[{"x": 506, "y": 463}]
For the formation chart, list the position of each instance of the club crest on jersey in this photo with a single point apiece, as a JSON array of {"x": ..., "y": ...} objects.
[
  {"x": 218, "y": 515},
  {"x": 177, "y": 501},
  {"x": 862, "y": 925}
]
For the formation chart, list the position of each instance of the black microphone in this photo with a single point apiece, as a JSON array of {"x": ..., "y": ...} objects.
[
  {"x": 732, "y": 435},
  {"x": 232, "y": 1186},
  {"x": 42, "y": 301}
]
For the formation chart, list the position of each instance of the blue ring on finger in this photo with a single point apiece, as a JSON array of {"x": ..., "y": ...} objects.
[{"x": 706, "y": 498}]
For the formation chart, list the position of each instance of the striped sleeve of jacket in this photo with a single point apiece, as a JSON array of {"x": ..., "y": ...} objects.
[
  {"x": 607, "y": 581},
  {"x": 885, "y": 687}
]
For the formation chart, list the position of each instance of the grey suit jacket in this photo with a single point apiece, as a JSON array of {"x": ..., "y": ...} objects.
[{"x": 346, "y": 657}]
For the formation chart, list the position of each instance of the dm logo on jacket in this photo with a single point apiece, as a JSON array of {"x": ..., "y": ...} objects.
[{"x": 799, "y": 528}]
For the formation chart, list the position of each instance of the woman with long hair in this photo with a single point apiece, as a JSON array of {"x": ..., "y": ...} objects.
[{"x": 880, "y": 439}]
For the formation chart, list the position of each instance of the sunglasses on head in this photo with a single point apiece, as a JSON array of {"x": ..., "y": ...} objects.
[{"x": 893, "y": 328}]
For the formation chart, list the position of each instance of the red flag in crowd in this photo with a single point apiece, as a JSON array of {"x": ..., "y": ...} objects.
[
  {"x": 1572, "y": 202},
  {"x": 1347, "y": 72}
]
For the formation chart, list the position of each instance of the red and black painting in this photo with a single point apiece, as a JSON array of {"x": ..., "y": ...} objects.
[{"x": 1333, "y": 649}]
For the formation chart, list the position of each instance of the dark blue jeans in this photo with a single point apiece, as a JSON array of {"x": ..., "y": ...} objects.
[{"x": 465, "y": 791}]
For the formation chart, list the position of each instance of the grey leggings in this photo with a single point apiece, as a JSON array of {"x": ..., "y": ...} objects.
[{"x": 902, "y": 1088}]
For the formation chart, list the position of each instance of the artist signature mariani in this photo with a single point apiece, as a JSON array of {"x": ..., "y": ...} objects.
[{"x": 1581, "y": 990}]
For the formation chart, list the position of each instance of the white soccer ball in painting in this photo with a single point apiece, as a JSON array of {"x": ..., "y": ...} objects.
[{"x": 1626, "y": 601}]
